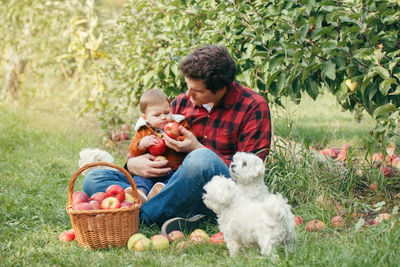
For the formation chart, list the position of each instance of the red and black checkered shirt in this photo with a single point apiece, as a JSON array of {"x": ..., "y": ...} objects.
[{"x": 239, "y": 122}]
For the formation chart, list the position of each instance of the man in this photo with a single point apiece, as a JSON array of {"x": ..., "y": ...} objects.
[{"x": 226, "y": 117}]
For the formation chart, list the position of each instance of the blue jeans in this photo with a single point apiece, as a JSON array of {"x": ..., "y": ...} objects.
[
  {"x": 146, "y": 184},
  {"x": 181, "y": 196}
]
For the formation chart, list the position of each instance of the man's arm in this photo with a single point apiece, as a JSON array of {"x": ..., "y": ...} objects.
[{"x": 145, "y": 166}]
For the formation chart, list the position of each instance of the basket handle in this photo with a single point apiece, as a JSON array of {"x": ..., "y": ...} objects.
[{"x": 100, "y": 163}]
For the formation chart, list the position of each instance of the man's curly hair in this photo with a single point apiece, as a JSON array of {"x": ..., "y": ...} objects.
[{"x": 211, "y": 64}]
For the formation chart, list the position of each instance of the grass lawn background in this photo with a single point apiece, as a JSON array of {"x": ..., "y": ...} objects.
[{"x": 39, "y": 146}]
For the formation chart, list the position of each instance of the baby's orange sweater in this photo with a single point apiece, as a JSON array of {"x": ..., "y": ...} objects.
[{"x": 174, "y": 158}]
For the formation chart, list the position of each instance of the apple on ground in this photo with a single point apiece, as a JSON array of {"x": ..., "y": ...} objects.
[
  {"x": 95, "y": 204},
  {"x": 380, "y": 218},
  {"x": 133, "y": 239},
  {"x": 160, "y": 242},
  {"x": 79, "y": 197},
  {"x": 167, "y": 236},
  {"x": 328, "y": 152},
  {"x": 124, "y": 136},
  {"x": 83, "y": 206},
  {"x": 337, "y": 221},
  {"x": 339, "y": 209},
  {"x": 67, "y": 236},
  {"x": 176, "y": 236},
  {"x": 390, "y": 159},
  {"x": 217, "y": 238},
  {"x": 115, "y": 191},
  {"x": 342, "y": 155},
  {"x": 99, "y": 196},
  {"x": 396, "y": 163},
  {"x": 110, "y": 203},
  {"x": 126, "y": 204},
  {"x": 373, "y": 186},
  {"x": 158, "y": 148},
  {"x": 315, "y": 225},
  {"x": 172, "y": 130},
  {"x": 142, "y": 244},
  {"x": 377, "y": 159},
  {"x": 125, "y": 128},
  {"x": 199, "y": 236},
  {"x": 386, "y": 171},
  {"x": 298, "y": 220}
]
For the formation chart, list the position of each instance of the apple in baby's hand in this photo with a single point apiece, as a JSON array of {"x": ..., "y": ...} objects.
[
  {"x": 110, "y": 203},
  {"x": 218, "y": 238},
  {"x": 315, "y": 225},
  {"x": 83, "y": 206},
  {"x": 172, "y": 130},
  {"x": 160, "y": 158},
  {"x": 298, "y": 220},
  {"x": 79, "y": 197},
  {"x": 199, "y": 236},
  {"x": 126, "y": 204},
  {"x": 115, "y": 191},
  {"x": 158, "y": 148},
  {"x": 176, "y": 236},
  {"x": 160, "y": 242},
  {"x": 67, "y": 236},
  {"x": 99, "y": 196},
  {"x": 95, "y": 204}
]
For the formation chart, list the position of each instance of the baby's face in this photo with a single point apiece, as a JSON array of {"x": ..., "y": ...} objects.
[{"x": 158, "y": 115}]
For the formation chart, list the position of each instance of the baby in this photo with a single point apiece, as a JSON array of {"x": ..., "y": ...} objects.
[{"x": 156, "y": 113}]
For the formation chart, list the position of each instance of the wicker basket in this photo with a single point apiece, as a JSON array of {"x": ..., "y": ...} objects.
[{"x": 104, "y": 228}]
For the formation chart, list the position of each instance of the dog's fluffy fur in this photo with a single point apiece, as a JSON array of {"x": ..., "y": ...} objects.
[
  {"x": 91, "y": 155},
  {"x": 249, "y": 217}
]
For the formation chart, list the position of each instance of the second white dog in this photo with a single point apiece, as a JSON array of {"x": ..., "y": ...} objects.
[{"x": 91, "y": 155}]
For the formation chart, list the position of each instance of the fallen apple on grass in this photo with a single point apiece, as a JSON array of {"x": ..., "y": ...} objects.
[
  {"x": 133, "y": 239},
  {"x": 67, "y": 236},
  {"x": 373, "y": 186},
  {"x": 115, "y": 191},
  {"x": 337, "y": 221},
  {"x": 176, "y": 236},
  {"x": 143, "y": 244},
  {"x": 298, "y": 220},
  {"x": 110, "y": 203},
  {"x": 217, "y": 238},
  {"x": 380, "y": 218},
  {"x": 199, "y": 236},
  {"x": 315, "y": 226},
  {"x": 159, "y": 242}
]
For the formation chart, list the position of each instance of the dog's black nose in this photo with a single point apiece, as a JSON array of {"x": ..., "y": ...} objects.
[{"x": 233, "y": 166}]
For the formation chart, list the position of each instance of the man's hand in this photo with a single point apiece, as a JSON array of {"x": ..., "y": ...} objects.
[
  {"x": 189, "y": 144},
  {"x": 145, "y": 166}
]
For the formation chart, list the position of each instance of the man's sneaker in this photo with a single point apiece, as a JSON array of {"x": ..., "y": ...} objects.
[
  {"x": 141, "y": 194},
  {"x": 155, "y": 190},
  {"x": 182, "y": 224}
]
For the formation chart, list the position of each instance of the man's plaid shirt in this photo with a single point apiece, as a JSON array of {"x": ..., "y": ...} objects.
[{"x": 239, "y": 122}]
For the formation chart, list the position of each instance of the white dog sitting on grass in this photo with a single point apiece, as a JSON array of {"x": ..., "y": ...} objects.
[
  {"x": 248, "y": 218},
  {"x": 91, "y": 155}
]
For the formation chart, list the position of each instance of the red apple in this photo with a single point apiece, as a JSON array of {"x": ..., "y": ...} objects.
[
  {"x": 124, "y": 136},
  {"x": 116, "y": 191},
  {"x": 199, "y": 236},
  {"x": 110, "y": 203},
  {"x": 389, "y": 159},
  {"x": 218, "y": 238},
  {"x": 126, "y": 204},
  {"x": 160, "y": 242},
  {"x": 67, "y": 236},
  {"x": 79, "y": 197},
  {"x": 315, "y": 225},
  {"x": 387, "y": 171},
  {"x": 329, "y": 152},
  {"x": 95, "y": 204},
  {"x": 159, "y": 148},
  {"x": 373, "y": 186},
  {"x": 83, "y": 206},
  {"x": 125, "y": 128},
  {"x": 176, "y": 236},
  {"x": 342, "y": 155},
  {"x": 298, "y": 220},
  {"x": 337, "y": 221},
  {"x": 99, "y": 196},
  {"x": 172, "y": 130}
]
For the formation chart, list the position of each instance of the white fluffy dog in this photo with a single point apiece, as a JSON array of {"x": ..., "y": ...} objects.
[
  {"x": 264, "y": 221},
  {"x": 91, "y": 155},
  {"x": 248, "y": 170}
]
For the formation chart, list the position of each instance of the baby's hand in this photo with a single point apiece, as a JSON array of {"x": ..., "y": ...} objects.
[{"x": 147, "y": 142}]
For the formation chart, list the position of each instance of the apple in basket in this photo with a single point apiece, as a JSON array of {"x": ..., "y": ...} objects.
[
  {"x": 115, "y": 191},
  {"x": 99, "y": 196},
  {"x": 110, "y": 203},
  {"x": 95, "y": 204},
  {"x": 79, "y": 197},
  {"x": 126, "y": 204},
  {"x": 83, "y": 206}
]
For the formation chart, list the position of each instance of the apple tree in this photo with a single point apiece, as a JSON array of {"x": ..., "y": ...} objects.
[{"x": 284, "y": 48}]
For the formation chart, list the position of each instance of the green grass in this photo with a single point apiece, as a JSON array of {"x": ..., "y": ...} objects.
[{"x": 39, "y": 149}]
